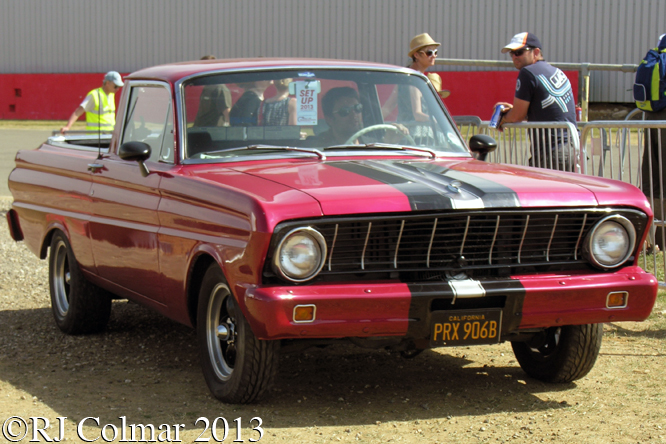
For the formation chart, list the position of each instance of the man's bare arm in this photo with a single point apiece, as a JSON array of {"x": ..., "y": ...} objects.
[
  {"x": 78, "y": 112},
  {"x": 517, "y": 111}
]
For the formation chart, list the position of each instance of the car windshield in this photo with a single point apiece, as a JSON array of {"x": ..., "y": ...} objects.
[{"x": 314, "y": 111}]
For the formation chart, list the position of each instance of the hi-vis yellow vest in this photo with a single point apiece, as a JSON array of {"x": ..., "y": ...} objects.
[{"x": 103, "y": 116}]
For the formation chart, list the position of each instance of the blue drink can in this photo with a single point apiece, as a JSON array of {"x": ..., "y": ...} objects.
[{"x": 497, "y": 115}]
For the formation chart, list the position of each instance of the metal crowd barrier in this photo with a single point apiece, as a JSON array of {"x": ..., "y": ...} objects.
[
  {"x": 624, "y": 150},
  {"x": 514, "y": 146},
  {"x": 611, "y": 149}
]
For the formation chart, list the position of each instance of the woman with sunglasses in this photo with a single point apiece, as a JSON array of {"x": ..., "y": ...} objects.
[{"x": 423, "y": 52}]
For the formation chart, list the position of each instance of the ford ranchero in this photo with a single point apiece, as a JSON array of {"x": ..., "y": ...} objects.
[{"x": 279, "y": 204}]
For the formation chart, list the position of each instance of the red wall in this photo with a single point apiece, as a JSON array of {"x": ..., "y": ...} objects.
[
  {"x": 474, "y": 93},
  {"x": 45, "y": 96},
  {"x": 55, "y": 96}
]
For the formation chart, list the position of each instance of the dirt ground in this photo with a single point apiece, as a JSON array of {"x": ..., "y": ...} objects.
[{"x": 145, "y": 369}]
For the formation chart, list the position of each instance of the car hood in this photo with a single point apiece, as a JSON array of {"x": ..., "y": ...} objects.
[{"x": 372, "y": 185}]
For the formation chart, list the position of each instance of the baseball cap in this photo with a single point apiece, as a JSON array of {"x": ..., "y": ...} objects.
[
  {"x": 521, "y": 40},
  {"x": 113, "y": 76}
]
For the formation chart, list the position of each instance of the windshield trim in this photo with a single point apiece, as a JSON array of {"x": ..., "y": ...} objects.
[
  {"x": 289, "y": 154},
  {"x": 180, "y": 93}
]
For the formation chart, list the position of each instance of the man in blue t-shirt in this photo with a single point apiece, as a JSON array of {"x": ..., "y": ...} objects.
[{"x": 543, "y": 94}]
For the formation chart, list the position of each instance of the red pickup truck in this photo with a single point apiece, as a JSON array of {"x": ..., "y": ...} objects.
[{"x": 287, "y": 203}]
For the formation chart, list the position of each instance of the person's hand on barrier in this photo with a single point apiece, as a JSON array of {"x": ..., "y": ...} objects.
[{"x": 506, "y": 107}]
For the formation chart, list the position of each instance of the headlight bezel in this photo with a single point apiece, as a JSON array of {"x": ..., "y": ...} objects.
[
  {"x": 318, "y": 239},
  {"x": 630, "y": 231}
]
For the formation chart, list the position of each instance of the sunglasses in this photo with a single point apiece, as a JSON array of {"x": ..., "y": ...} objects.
[
  {"x": 519, "y": 52},
  {"x": 430, "y": 52},
  {"x": 345, "y": 110}
]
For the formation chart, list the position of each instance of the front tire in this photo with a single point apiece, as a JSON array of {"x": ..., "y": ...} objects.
[
  {"x": 78, "y": 306},
  {"x": 561, "y": 354},
  {"x": 238, "y": 367}
]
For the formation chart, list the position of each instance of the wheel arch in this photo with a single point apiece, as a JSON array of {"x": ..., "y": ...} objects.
[
  {"x": 197, "y": 270},
  {"x": 46, "y": 241}
]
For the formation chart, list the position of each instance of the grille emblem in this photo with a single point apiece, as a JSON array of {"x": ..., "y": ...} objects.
[{"x": 454, "y": 186}]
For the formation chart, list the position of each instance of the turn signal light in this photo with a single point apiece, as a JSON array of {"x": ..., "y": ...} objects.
[
  {"x": 305, "y": 313},
  {"x": 617, "y": 299}
]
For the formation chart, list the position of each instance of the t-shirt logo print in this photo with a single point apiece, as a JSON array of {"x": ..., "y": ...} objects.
[{"x": 558, "y": 87}]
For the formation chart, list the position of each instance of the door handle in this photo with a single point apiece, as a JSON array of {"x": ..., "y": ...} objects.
[{"x": 94, "y": 167}]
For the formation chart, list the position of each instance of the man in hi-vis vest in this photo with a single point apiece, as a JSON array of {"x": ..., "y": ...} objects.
[{"x": 99, "y": 106}]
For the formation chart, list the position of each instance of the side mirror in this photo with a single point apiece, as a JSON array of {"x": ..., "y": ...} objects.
[
  {"x": 136, "y": 151},
  {"x": 481, "y": 145}
]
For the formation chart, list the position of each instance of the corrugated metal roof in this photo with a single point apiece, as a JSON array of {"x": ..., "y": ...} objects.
[{"x": 42, "y": 36}]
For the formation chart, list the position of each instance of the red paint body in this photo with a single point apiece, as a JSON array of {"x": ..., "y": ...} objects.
[{"x": 140, "y": 237}]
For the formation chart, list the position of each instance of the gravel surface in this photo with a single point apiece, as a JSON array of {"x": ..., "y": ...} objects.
[{"x": 145, "y": 368}]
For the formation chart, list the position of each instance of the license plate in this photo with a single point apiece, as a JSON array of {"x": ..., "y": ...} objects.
[{"x": 465, "y": 327}]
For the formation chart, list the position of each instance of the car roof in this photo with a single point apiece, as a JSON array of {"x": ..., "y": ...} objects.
[{"x": 173, "y": 72}]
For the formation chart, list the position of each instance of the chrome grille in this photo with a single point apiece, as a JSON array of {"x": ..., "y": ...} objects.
[{"x": 480, "y": 242}]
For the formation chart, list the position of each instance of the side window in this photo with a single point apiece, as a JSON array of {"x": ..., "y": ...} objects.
[{"x": 149, "y": 120}]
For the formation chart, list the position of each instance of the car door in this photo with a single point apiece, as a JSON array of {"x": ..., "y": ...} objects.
[{"x": 125, "y": 223}]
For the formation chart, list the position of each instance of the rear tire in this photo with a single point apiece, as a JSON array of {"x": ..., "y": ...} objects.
[
  {"x": 238, "y": 367},
  {"x": 561, "y": 354},
  {"x": 78, "y": 306}
]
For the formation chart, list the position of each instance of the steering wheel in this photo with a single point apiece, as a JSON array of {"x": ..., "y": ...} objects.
[{"x": 384, "y": 126}]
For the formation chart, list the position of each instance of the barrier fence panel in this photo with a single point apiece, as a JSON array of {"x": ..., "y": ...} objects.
[
  {"x": 631, "y": 151},
  {"x": 611, "y": 149},
  {"x": 515, "y": 141},
  {"x": 468, "y": 125}
]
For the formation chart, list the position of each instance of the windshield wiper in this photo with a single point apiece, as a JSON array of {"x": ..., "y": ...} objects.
[
  {"x": 318, "y": 153},
  {"x": 386, "y": 146}
]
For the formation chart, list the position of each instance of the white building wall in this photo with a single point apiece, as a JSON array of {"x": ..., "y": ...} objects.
[{"x": 47, "y": 36}]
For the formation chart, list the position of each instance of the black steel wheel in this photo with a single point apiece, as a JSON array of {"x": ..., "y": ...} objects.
[
  {"x": 560, "y": 354},
  {"x": 237, "y": 366},
  {"x": 78, "y": 306}
]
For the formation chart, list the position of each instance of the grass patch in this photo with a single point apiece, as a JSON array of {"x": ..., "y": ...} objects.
[
  {"x": 657, "y": 318},
  {"x": 653, "y": 263},
  {"x": 40, "y": 124}
]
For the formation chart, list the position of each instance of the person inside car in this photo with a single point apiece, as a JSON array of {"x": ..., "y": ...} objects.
[
  {"x": 214, "y": 104},
  {"x": 343, "y": 113},
  {"x": 245, "y": 111}
]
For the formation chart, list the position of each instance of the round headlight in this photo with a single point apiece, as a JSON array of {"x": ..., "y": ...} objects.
[
  {"x": 300, "y": 255},
  {"x": 611, "y": 242}
]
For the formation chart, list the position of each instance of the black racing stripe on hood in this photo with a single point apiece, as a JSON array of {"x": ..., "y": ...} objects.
[
  {"x": 438, "y": 295},
  {"x": 493, "y": 194},
  {"x": 433, "y": 187},
  {"x": 420, "y": 196}
]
